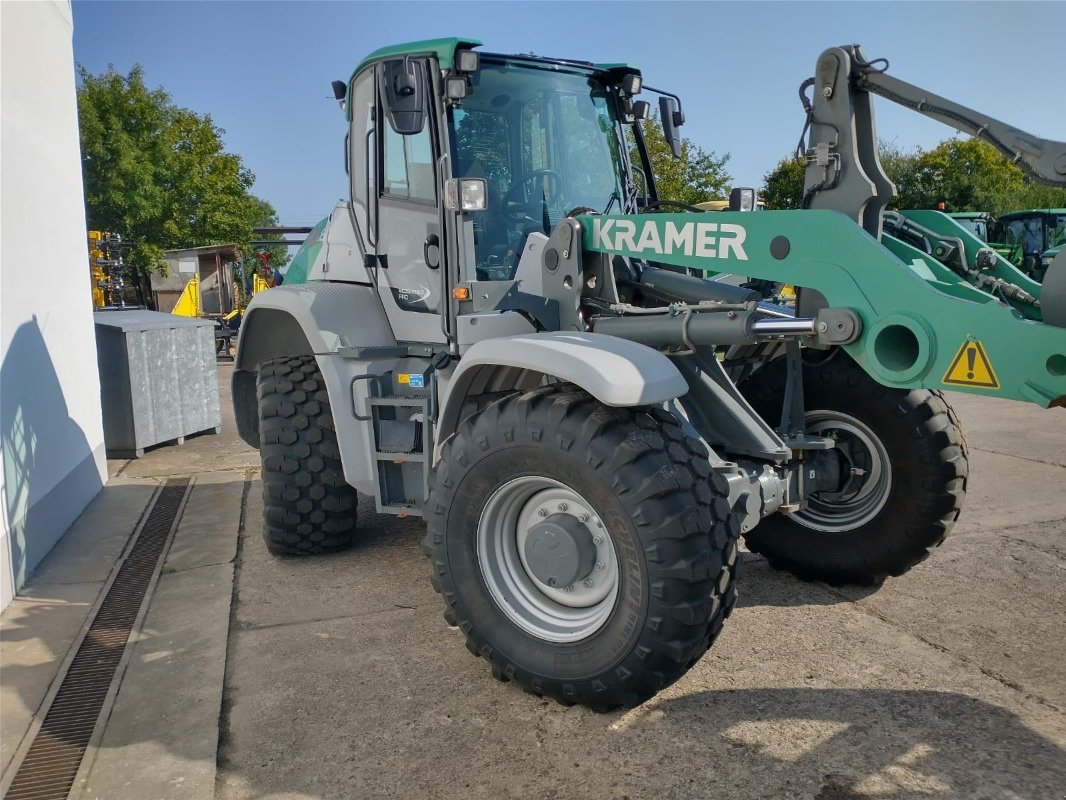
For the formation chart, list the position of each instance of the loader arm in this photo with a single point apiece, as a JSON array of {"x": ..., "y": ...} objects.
[
  {"x": 843, "y": 170},
  {"x": 918, "y": 327},
  {"x": 1043, "y": 159}
]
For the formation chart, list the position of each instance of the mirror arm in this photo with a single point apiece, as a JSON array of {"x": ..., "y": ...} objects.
[{"x": 680, "y": 117}]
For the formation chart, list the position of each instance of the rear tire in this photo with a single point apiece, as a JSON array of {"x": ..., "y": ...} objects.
[
  {"x": 308, "y": 506},
  {"x": 658, "y": 516},
  {"x": 913, "y": 455}
]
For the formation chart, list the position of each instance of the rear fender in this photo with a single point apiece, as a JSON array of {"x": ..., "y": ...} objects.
[{"x": 322, "y": 319}]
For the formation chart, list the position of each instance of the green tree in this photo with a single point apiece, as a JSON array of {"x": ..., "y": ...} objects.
[
  {"x": 783, "y": 185},
  {"x": 276, "y": 255},
  {"x": 964, "y": 174},
  {"x": 696, "y": 177},
  {"x": 901, "y": 166},
  {"x": 971, "y": 175},
  {"x": 158, "y": 174}
]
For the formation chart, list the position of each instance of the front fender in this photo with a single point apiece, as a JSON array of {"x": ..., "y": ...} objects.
[{"x": 617, "y": 372}]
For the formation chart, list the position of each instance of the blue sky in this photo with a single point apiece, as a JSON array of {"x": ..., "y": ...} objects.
[{"x": 262, "y": 69}]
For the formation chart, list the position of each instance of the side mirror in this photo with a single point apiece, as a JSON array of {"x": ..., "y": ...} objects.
[
  {"x": 340, "y": 93},
  {"x": 404, "y": 96},
  {"x": 671, "y": 119}
]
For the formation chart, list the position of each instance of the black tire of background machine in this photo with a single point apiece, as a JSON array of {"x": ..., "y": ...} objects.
[
  {"x": 929, "y": 460},
  {"x": 651, "y": 483},
  {"x": 308, "y": 506}
]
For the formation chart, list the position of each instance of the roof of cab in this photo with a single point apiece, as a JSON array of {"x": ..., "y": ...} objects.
[
  {"x": 441, "y": 49},
  {"x": 444, "y": 51}
]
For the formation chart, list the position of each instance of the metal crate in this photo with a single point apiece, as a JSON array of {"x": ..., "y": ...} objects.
[{"x": 158, "y": 380}]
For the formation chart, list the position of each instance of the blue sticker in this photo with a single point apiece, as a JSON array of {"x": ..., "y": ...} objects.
[{"x": 417, "y": 381}]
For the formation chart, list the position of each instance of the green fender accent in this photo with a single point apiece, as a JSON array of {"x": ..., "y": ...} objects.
[
  {"x": 914, "y": 327},
  {"x": 301, "y": 263}
]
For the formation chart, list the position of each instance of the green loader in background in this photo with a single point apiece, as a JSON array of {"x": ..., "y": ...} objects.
[{"x": 1029, "y": 240}]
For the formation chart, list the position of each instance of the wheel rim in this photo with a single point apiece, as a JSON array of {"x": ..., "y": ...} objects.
[
  {"x": 866, "y": 475},
  {"x": 552, "y": 613}
]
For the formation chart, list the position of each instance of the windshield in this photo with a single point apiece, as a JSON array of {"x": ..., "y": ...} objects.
[
  {"x": 1032, "y": 235},
  {"x": 975, "y": 225},
  {"x": 546, "y": 143},
  {"x": 1057, "y": 234}
]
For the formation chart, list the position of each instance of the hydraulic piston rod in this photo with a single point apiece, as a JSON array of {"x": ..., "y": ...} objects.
[
  {"x": 801, "y": 326},
  {"x": 700, "y": 329}
]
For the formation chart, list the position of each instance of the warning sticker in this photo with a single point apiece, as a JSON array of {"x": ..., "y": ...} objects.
[{"x": 971, "y": 367}]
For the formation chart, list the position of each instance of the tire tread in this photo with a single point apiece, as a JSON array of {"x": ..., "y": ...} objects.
[
  {"x": 690, "y": 574},
  {"x": 935, "y": 435},
  {"x": 308, "y": 506}
]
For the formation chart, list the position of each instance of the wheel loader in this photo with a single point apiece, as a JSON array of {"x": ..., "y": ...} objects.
[
  {"x": 506, "y": 331},
  {"x": 1031, "y": 239}
]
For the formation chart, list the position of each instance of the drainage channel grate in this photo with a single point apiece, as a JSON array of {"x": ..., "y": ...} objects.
[{"x": 48, "y": 770}]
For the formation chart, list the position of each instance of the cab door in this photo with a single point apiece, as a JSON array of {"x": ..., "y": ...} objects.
[{"x": 406, "y": 226}]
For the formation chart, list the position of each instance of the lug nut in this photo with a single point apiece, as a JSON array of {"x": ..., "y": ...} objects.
[
  {"x": 601, "y": 565},
  {"x": 569, "y": 588},
  {"x": 563, "y": 506},
  {"x": 584, "y": 517},
  {"x": 597, "y": 540},
  {"x": 542, "y": 512},
  {"x": 588, "y": 583}
]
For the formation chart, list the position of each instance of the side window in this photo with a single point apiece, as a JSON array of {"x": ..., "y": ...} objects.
[
  {"x": 362, "y": 107},
  {"x": 409, "y": 166},
  {"x": 1057, "y": 236}
]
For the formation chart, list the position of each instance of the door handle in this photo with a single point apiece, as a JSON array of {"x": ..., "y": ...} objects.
[{"x": 431, "y": 241}]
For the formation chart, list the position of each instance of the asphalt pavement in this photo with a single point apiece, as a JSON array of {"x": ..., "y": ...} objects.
[
  {"x": 343, "y": 680},
  {"x": 336, "y": 677}
]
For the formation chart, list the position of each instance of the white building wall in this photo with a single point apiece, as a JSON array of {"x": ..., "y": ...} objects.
[{"x": 52, "y": 434}]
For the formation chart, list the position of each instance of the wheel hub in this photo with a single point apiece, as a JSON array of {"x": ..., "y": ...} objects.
[
  {"x": 862, "y": 482},
  {"x": 547, "y": 559},
  {"x": 559, "y": 550}
]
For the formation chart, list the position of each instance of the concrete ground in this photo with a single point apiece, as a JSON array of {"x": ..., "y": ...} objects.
[{"x": 336, "y": 677}]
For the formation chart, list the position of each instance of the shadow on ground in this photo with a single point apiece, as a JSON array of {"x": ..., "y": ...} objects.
[{"x": 867, "y": 743}]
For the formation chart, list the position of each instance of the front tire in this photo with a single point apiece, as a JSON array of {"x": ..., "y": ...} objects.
[
  {"x": 903, "y": 466},
  {"x": 651, "y": 546},
  {"x": 308, "y": 506}
]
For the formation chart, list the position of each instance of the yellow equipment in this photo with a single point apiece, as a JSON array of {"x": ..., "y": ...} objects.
[
  {"x": 95, "y": 270},
  {"x": 189, "y": 303}
]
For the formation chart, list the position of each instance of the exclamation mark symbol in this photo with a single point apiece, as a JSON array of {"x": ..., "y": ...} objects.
[{"x": 971, "y": 357}]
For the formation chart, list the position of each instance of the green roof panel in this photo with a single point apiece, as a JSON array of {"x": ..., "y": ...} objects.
[{"x": 441, "y": 49}]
